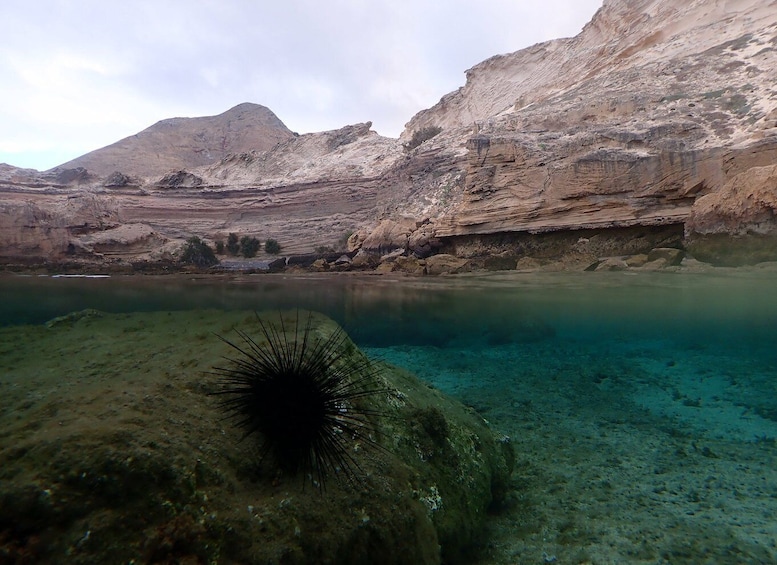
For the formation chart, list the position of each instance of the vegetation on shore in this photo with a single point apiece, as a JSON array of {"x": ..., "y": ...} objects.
[{"x": 198, "y": 253}]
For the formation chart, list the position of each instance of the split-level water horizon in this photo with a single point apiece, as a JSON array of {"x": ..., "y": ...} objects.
[{"x": 642, "y": 406}]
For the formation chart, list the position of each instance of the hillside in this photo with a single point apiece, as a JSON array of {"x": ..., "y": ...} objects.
[{"x": 186, "y": 143}]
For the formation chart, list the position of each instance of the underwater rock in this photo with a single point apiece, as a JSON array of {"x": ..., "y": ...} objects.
[
  {"x": 72, "y": 317},
  {"x": 127, "y": 456},
  {"x": 611, "y": 264},
  {"x": 673, "y": 257}
]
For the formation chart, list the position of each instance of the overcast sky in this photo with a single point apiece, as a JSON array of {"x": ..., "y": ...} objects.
[{"x": 76, "y": 75}]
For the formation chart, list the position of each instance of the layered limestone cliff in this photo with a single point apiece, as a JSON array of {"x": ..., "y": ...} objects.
[
  {"x": 308, "y": 192},
  {"x": 655, "y": 104}
]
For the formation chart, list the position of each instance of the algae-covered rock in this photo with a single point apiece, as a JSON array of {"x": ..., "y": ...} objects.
[
  {"x": 114, "y": 449},
  {"x": 72, "y": 317}
]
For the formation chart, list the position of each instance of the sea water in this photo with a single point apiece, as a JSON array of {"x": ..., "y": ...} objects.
[{"x": 643, "y": 406}]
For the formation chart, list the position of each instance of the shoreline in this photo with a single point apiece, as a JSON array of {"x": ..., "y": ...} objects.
[{"x": 472, "y": 268}]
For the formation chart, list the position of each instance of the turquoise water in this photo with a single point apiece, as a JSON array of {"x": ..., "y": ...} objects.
[
  {"x": 680, "y": 330},
  {"x": 643, "y": 406}
]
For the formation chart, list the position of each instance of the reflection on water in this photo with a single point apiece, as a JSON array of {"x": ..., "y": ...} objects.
[
  {"x": 731, "y": 308},
  {"x": 635, "y": 400},
  {"x": 701, "y": 322}
]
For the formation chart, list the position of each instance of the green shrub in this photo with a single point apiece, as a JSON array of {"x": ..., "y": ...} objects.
[
  {"x": 272, "y": 246},
  {"x": 219, "y": 247},
  {"x": 232, "y": 244},
  {"x": 197, "y": 252},
  {"x": 249, "y": 246}
]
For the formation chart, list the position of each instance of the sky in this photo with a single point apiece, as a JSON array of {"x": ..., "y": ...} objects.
[{"x": 77, "y": 75}]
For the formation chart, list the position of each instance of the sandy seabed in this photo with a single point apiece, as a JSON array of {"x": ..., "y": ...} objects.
[{"x": 646, "y": 451}]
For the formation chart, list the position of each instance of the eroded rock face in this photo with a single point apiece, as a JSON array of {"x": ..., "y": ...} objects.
[
  {"x": 179, "y": 179},
  {"x": 746, "y": 204},
  {"x": 654, "y": 104},
  {"x": 243, "y": 194},
  {"x": 737, "y": 224},
  {"x": 389, "y": 236},
  {"x": 49, "y": 224},
  {"x": 351, "y": 152}
]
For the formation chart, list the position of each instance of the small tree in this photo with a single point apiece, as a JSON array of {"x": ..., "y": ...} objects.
[
  {"x": 272, "y": 246},
  {"x": 249, "y": 246},
  {"x": 233, "y": 246},
  {"x": 197, "y": 252},
  {"x": 219, "y": 247}
]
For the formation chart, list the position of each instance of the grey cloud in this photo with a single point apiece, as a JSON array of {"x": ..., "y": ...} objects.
[{"x": 317, "y": 65}]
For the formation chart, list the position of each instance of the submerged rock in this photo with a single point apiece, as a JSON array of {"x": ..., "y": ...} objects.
[
  {"x": 72, "y": 317},
  {"x": 125, "y": 455},
  {"x": 672, "y": 257}
]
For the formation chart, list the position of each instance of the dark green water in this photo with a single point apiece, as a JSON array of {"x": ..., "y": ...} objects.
[
  {"x": 732, "y": 310},
  {"x": 637, "y": 401},
  {"x": 664, "y": 324}
]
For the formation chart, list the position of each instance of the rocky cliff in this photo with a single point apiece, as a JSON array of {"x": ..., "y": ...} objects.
[
  {"x": 309, "y": 192},
  {"x": 652, "y": 127},
  {"x": 631, "y": 123}
]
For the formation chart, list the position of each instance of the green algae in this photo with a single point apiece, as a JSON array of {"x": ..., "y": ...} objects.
[{"x": 113, "y": 449}]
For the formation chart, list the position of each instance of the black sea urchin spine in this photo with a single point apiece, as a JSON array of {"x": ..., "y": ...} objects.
[{"x": 304, "y": 397}]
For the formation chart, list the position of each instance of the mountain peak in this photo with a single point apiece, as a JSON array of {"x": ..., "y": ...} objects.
[{"x": 185, "y": 143}]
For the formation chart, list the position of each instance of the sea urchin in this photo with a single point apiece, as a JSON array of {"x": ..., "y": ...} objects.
[{"x": 303, "y": 395}]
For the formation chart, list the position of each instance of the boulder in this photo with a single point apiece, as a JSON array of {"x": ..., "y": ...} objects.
[
  {"x": 443, "y": 264},
  {"x": 422, "y": 242},
  {"x": 671, "y": 256},
  {"x": 411, "y": 265},
  {"x": 343, "y": 260},
  {"x": 75, "y": 175},
  {"x": 180, "y": 179},
  {"x": 389, "y": 236},
  {"x": 387, "y": 267},
  {"x": 656, "y": 265},
  {"x": 392, "y": 256},
  {"x": 528, "y": 264},
  {"x": 152, "y": 471},
  {"x": 117, "y": 179},
  {"x": 364, "y": 260},
  {"x": 343, "y": 263},
  {"x": 636, "y": 260},
  {"x": 611, "y": 264},
  {"x": 356, "y": 239},
  {"x": 278, "y": 264}
]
